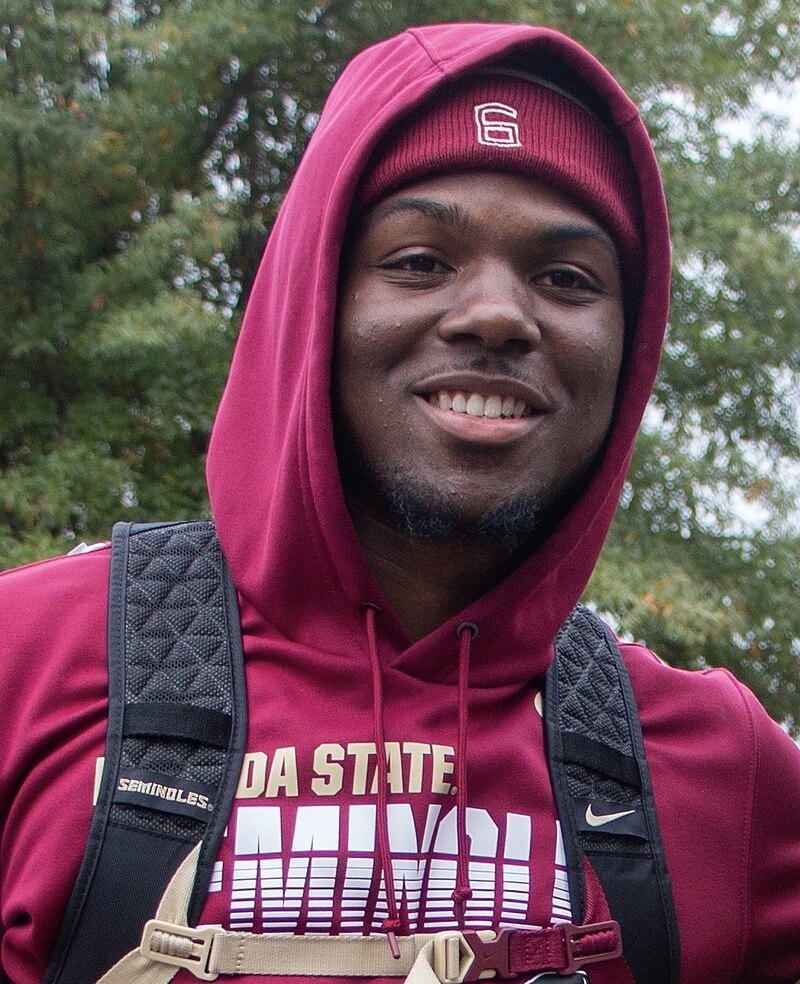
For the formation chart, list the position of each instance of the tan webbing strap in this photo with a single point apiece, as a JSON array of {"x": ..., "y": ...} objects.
[
  {"x": 425, "y": 958},
  {"x": 208, "y": 951},
  {"x": 312, "y": 956},
  {"x": 362, "y": 956}
]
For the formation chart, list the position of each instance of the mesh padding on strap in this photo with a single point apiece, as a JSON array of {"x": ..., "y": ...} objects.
[
  {"x": 594, "y": 738},
  {"x": 174, "y": 642}
]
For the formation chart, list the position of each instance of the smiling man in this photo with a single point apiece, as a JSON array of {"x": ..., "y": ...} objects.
[
  {"x": 482, "y": 313},
  {"x": 445, "y": 360}
]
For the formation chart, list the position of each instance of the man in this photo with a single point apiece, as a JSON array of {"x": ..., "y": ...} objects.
[{"x": 446, "y": 357}]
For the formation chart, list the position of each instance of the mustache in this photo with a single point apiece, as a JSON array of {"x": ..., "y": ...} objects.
[
  {"x": 487, "y": 363},
  {"x": 494, "y": 365}
]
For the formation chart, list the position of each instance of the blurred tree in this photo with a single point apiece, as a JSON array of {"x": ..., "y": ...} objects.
[{"x": 145, "y": 149}]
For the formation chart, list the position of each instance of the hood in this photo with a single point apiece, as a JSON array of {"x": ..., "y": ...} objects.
[{"x": 272, "y": 470}]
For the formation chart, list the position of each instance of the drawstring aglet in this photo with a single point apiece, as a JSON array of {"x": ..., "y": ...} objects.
[{"x": 389, "y": 926}]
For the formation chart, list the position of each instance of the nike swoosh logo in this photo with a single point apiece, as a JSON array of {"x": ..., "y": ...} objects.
[{"x": 600, "y": 821}]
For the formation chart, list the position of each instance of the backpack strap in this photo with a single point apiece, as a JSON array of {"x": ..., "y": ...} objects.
[
  {"x": 177, "y": 725},
  {"x": 605, "y": 797}
]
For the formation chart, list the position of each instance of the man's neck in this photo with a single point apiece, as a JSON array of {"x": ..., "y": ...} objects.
[{"x": 425, "y": 581}]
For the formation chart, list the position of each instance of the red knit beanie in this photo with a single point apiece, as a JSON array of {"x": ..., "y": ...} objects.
[{"x": 509, "y": 122}]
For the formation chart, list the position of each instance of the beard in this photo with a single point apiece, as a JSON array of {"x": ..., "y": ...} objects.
[{"x": 421, "y": 511}]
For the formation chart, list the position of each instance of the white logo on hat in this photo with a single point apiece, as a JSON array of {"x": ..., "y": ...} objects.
[{"x": 495, "y": 125}]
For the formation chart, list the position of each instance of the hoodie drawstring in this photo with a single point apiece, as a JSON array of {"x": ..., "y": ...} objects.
[
  {"x": 466, "y": 632},
  {"x": 392, "y": 923}
]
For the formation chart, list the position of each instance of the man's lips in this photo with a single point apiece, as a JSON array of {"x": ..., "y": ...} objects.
[
  {"x": 482, "y": 408},
  {"x": 482, "y": 395}
]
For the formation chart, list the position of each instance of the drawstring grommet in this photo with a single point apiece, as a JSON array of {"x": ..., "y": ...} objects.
[
  {"x": 370, "y": 606},
  {"x": 464, "y": 626}
]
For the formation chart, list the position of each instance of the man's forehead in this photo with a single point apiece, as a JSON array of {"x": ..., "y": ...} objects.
[
  {"x": 449, "y": 202},
  {"x": 507, "y": 122}
]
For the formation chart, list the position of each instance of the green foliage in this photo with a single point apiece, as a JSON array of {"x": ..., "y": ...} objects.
[{"x": 144, "y": 149}]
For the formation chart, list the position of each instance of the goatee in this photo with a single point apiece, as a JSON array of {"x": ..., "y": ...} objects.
[{"x": 423, "y": 511}]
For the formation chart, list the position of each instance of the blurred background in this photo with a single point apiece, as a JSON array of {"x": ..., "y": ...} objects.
[{"x": 144, "y": 150}]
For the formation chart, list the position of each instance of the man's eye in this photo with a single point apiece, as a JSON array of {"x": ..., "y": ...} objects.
[
  {"x": 567, "y": 279},
  {"x": 417, "y": 263}
]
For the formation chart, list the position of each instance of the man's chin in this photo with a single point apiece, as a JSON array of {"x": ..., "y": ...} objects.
[{"x": 423, "y": 512}]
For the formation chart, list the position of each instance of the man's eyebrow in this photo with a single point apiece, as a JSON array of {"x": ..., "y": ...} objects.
[
  {"x": 446, "y": 212},
  {"x": 578, "y": 230},
  {"x": 452, "y": 215}
]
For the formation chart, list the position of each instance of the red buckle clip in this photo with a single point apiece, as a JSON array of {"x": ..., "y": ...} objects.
[
  {"x": 572, "y": 943},
  {"x": 489, "y": 955},
  {"x": 462, "y": 957}
]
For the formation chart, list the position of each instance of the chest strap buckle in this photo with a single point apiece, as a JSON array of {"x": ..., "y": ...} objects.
[
  {"x": 181, "y": 946},
  {"x": 460, "y": 957}
]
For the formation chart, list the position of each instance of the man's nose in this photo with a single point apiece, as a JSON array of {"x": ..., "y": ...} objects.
[{"x": 491, "y": 307}]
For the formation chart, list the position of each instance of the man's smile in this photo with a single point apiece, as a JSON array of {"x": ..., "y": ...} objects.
[
  {"x": 484, "y": 394},
  {"x": 477, "y": 405},
  {"x": 489, "y": 408},
  {"x": 464, "y": 415}
]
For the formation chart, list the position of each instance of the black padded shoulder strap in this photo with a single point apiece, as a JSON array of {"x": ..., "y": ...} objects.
[
  {"x": 604, "y": 795},
  {"x": 175, "y": 744}
]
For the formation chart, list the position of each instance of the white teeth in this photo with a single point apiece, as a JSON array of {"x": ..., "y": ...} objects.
[
  {"x": 493, "y": 407},
  {"x": 478, "y": 405}
]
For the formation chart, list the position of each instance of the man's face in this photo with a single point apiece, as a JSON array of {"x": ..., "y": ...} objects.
[{"x": 479, "y": 341}]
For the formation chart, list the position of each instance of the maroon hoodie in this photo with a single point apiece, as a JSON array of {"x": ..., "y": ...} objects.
[{"x": 301, "y": 852}]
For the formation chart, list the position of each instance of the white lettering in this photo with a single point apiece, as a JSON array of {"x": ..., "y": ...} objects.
[
  {"x": 316, "y": 829},
  {"x": 253, "y": 779},
  {"x": 442, "y": 767},
  {"x": 562, "y": 903},
  {"x": 417, "y": 752},
  {"x": 496, "y": 126},
  {"x": 361, "y": 750},
  {"x": 243, "y": 894},
  {"x": 258, "y": 830},
  {"x": 330, "y": 775},
  {"x": 282, "y": 773},
  {"x": 281, "y": 901},
  {"x": 271, "y": 891},
  {"x": 518, "y": 837},
  {"x": 361, "y": 829}
]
